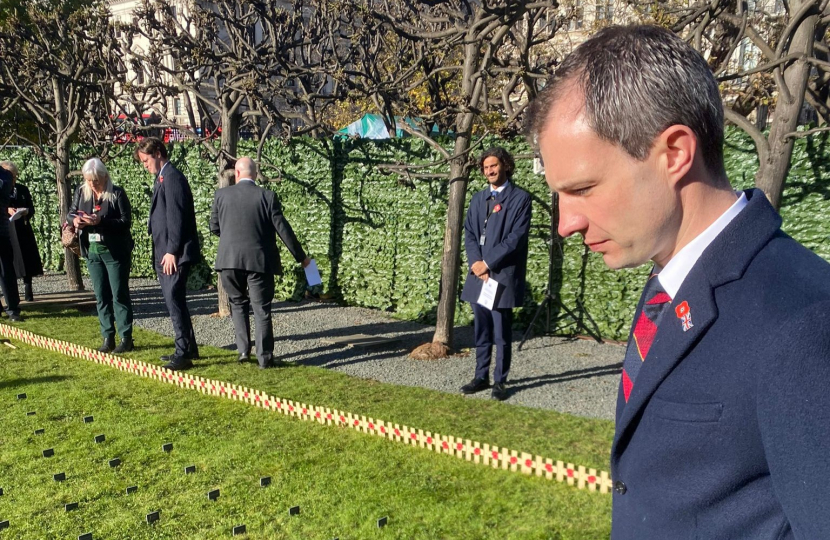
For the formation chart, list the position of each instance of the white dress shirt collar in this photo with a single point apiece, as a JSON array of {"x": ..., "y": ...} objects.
[
  {"x": 672, "y": 276},
  {"x": 159, "y": 175},
  {"x": 246, "y": 180},
  {"x": 500, "y": 188}
]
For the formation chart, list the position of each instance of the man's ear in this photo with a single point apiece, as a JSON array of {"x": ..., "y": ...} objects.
[{"x": 677, "y": 146}]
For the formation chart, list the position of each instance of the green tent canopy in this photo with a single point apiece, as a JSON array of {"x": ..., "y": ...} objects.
[{"x": 371, "y": 126}]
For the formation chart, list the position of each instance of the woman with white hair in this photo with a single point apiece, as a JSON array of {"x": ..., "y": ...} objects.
[
  {"x": 27, "y": 262},
  {"x": 101, "y": 213}
]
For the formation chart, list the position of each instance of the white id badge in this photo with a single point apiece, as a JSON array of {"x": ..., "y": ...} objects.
[
  {"x": 94, "y": 237},
  {"x": 481, "y": 240}
]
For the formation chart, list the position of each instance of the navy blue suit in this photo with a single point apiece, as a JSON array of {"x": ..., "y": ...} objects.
[
  {"x": 726, "y": 433},
  {"x": 505, "y": 252},
  {"x": 172, "y": 225}
]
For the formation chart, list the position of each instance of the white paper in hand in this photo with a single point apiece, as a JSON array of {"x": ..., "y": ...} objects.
[
  {"x": 17, "y": 215},
  {"x": 312, "y": 275},
  {"x": 487, "y": 297}
]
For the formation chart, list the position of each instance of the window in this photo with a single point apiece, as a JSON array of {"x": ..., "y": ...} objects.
[
  {"x": 178, "y": 107},
  {"x": 577, "y": 17},
  {"x": 605, "y": 10}
]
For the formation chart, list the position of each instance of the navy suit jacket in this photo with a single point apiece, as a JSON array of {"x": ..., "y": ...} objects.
[
  {"x": 505, "y": 246},
  {"x": 172, "y": 223},
  {"x": 247, "y": 219},
  {"x": 726, "y": 433}
]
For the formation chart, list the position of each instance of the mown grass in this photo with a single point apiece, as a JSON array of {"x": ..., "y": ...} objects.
[{"x": 342, "y": 480}]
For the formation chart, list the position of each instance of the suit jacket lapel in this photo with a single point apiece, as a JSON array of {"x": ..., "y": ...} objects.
[
  {"x": 725, "y": 260},
  {"x": 496, "y": 222},
  {"x": 481, "y": 210},
  {"x": 156, "y": 187},
  {"x": 669, "y": 347}
]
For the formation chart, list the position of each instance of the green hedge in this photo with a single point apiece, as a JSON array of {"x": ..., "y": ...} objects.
[{"x": 378, "y": 237}]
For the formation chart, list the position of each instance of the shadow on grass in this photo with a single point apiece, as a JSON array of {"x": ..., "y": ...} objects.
[{"x": 15, "y": 383}]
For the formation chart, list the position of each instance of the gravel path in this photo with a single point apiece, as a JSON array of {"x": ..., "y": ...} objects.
[{"x": 573, "y": 376}]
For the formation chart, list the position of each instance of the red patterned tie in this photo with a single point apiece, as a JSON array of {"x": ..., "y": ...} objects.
[{"x": 642, "y": 336}]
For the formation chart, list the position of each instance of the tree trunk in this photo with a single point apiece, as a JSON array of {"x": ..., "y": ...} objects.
[
  {"x": 451, "y": 257},
  {"x": 230, "y": 139},
  {"x": 72, "y": 266},
  {"x": 772, "y": 172},
  {"x": 471, "y": 89}
]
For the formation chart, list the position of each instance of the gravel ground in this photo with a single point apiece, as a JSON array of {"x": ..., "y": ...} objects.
[{"x": 575, "y": 376}]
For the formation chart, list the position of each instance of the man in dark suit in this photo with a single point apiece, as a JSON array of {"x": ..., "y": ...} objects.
[
  {"x": 172, "y": 225},
  {"x": 723, "y": 406},
  {"x": 8, "y": 278},
  {"x": 495, "y": 237},
  {"x": 247, "y": 219}
]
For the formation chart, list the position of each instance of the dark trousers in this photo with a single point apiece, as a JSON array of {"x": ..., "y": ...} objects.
[
  {"x": 174, "y": 290},
  {"x": 493, "y": 328},
  {"x": 8, "y": 279},
  {"x": 245, "y": 290},
  {"x": 111, "y": 281}
]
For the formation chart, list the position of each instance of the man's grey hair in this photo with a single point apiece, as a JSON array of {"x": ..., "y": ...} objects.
[
  {"x": 637, "y": 81},
  {"x": 94, "y": 169},
  {"x": 12, "y": 168}
]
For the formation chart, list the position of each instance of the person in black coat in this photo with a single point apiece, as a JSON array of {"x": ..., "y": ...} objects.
[
  {"x": 172, "y": 226},
  {"x": 102, "y": 214},
  {"x": 27, "y": 262},
  {"x": 495, "y": 237},
  {"x": 247, "y": 219},
  {"x": 8, "y": 280}
]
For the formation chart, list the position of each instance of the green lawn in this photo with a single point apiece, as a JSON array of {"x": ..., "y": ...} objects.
[{"x": 342, "y": 480}]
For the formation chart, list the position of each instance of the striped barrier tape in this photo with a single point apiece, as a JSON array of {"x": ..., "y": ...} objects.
[{"x": 474, "y": 452}]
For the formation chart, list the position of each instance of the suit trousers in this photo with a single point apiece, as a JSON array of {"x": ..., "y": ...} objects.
[
  {"x": 111, "y": 281},
  {"x": 8, "y": 279},
  {"x": 493, "y": 328},
  {"x": 245, "y": 290},
  {"x": 174, "y": 290}
]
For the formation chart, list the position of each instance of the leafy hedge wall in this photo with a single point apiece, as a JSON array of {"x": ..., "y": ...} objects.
[{"x": 378, "y": 237}]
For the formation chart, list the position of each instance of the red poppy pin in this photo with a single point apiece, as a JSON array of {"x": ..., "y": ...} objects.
[
  {"x": 684, "y": 314},
  {"x": 97, "y": 207},
  {"x": 496, "y": 208},
  {"x": 161, "y": 179}
]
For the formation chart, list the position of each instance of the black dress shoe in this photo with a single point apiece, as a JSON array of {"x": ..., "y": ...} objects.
[
  {"x": 179, "y": 363},
  {"x": 126, "y": 345},
  {"x": 15, "y": 318},
  {"x": 499, "y": 392},
  {"x": 265, "y": 363},
  {"x": 243, "y": 358},
  {"x": 108, "y": 345},
  {"x": 476, "y": 385}
]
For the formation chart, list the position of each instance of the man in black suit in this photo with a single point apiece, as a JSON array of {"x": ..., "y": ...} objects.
[
  {"x": 247, "y": 219},
  {"x": 495, "y": 237},
  {"x": 8, "y": 279},
  {"x": 172, "y": 225}
]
